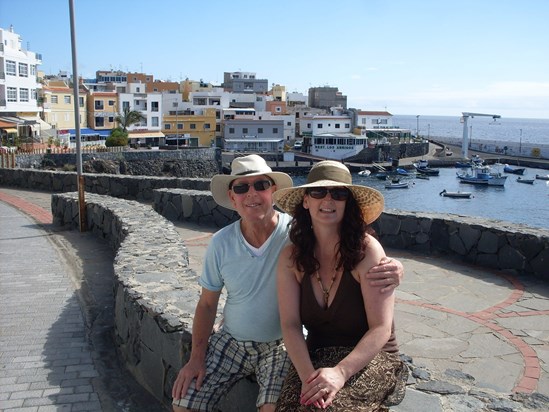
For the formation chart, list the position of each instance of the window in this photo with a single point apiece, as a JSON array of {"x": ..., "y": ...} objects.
[
  {"x": 193, "y": 126},
  {"x": 259, "y": 130},
  {"x": 54, "y": 100},
  {"x": 80, "y": 101},
  {"x": 288, "y": 123},
  {"x": 111, "y": 119},
  {"x": 231, "y": 130},
  {"x": 33, "y": 94},
  {"x": 111, "y": 102},
  {"x": 67, "y": 99},
  {"x": 364, "y": 120},
  {"x": 347, "y": 125},
  {"x": 245, "y": 130},
  {"x": 275, "y": 130},
  {"x": 319, "y": 126},
  {"x": 167, "y": 126},
  {"x": 154, "y": 106},
  {"x": 24, "y": 95},
  {"x": 33, "y": 70},
  {"x": 180, "y": 126},
  {"x": 10, "y": 68},
  {"x": 98, "y": 105},
  {"x": 23, "y": 70},
  {"x": 12, "y": 94},
  {"x": 125, "y": 105},
  {"x": 206, "y": 126},
  {"x": 338, "y": 126},
  {"x": 154, "y": 121},
  {"x": 99, "y": 121}
]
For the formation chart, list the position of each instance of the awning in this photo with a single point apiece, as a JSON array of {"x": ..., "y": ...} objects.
[
  {"x": 10, "y": 130},
  {"x": 90, "y": 132},
  {"x": 144, "y": 135}
]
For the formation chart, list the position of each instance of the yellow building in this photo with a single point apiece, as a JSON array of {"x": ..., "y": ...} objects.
[
  {"x": 185, "y": 127},
  {"x": 58, "y": 105},
  {"x": 279, "y": 93}
]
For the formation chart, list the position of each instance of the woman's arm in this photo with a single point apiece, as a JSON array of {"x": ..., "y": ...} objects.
[{"x": 289, "y": 301}]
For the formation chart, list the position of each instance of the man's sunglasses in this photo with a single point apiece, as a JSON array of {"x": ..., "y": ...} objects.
[
  {"x": 337, "y": 193},
  {"x": 259, "y": 186}
]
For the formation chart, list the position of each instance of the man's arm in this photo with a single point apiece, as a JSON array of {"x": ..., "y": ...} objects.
[
  {"x": 388, "y": 274},
  {"x": 204, "y": 318}
]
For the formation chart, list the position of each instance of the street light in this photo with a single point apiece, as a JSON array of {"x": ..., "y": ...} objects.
[
  {"x": 520, "y": 143},
  {"x": 417, "y": 126}
]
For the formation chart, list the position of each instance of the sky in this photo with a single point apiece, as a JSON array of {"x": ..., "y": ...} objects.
[{"x": 409, "y": 57}]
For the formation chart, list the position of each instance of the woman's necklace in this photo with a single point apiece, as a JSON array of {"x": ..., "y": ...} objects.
[{"x": 326, "y": 292}]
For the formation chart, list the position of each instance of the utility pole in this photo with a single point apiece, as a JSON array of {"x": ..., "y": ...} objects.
[{"x": 76, "y": 85}]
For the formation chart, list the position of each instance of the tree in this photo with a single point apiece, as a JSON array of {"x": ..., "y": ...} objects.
[
  {"x": 129, "y": 117},
  {"x": 118, "y": 137}
]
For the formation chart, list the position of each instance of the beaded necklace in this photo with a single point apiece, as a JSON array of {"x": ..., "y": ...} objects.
[{"x": 326, "y": 292}]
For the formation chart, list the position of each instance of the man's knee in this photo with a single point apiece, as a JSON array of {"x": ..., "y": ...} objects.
[
  {"x": 268, "y": 407},
  {"x": 181, "y": 409}
]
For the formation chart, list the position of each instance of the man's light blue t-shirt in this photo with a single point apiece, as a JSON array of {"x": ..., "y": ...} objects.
[{"x": 251, "y": 308}]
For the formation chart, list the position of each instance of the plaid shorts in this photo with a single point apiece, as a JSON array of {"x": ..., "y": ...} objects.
[{"x": 229, "y": 360}]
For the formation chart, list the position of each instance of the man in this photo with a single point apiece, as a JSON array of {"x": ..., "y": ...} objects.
[{"x": 242, "y": 258}]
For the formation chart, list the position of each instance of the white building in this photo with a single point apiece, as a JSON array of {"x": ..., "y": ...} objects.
[{"x": 19, "y": 85}]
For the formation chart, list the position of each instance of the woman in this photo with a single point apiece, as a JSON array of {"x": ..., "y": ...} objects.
[{"x": 341, "y": 365}]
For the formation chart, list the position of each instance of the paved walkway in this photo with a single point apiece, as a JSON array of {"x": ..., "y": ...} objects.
[{"x": 479, "y": 335}]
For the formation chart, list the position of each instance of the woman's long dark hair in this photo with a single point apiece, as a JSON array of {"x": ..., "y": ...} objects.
[{"x": 353, "y": 230}]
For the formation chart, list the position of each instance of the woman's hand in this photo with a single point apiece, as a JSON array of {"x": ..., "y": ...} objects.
[
  {"x": 321, "y": 387},
  {"x": 387, "y": 274}
]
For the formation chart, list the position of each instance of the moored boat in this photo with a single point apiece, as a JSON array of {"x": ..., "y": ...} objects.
[
  {"x": 527, "y": 181},
  {"x": 542, "y": 177},
  {"x": 364, "y": 172},
  {"x": 423, "y": 167},
  {"x": 396, "y": 184},
  {"x": 457, "y": 195},
  {"x": 482, "y": 175},
  {"x": 514, "y": 170}
]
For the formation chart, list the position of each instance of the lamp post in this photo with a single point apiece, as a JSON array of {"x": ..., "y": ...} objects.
[
  {"x": 428, "y": 131},
  {"x": 417, "y": 126},
  {"x": 520, "y": 143}
]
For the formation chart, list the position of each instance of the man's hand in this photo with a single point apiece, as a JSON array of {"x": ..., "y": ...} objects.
[
  {"x": 387, "y": 274},
  {"x": 192, "y": 370}
]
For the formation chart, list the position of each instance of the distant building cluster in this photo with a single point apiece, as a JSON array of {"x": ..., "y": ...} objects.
[{"x": 241, "y": 114}]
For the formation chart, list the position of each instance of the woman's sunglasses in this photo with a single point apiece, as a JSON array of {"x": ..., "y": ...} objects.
[
  {"x": 337, "y": 193},
  {"x": 259, "y": 186}
]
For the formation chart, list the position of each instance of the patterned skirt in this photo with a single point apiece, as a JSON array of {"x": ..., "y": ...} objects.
[{"x": 380, "y": 384}]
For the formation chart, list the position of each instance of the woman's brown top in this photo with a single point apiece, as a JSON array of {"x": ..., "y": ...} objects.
[{"x": 343, "y": 323}]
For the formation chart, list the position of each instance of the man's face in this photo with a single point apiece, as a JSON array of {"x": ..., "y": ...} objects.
[{"x": 252, "y": 197}]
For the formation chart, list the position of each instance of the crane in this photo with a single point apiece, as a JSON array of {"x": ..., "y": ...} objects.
[{"x": 465, "y": 117}]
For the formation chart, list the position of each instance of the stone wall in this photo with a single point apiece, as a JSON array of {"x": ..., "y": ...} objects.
[
  {"x": 483, "y": 242},
  {"x": 123, "y": 186},
  {"x": 155, "y": 291}
]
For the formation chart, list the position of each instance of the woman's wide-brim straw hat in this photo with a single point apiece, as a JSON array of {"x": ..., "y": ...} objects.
[
  {"x": 245, "y": 166},
  {"x": 329, "y": 173}
]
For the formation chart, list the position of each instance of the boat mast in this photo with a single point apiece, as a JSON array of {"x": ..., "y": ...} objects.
[{"x": 465, "y": 118}]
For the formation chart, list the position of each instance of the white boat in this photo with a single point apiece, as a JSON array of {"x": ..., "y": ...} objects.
[
  {"x": 364, "y": 172},
  {"x": 482, "y": 175},
  {"x": 396, "y": 184},
  {"x": 457, "y": 195}
]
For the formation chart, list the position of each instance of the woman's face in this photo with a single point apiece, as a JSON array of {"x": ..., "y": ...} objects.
[{"x": 326, "y": 205}]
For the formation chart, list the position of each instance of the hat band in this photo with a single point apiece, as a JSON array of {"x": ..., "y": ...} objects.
[
  {"x": 249, "y": 172},
  {"x": 336, "y": 175}
]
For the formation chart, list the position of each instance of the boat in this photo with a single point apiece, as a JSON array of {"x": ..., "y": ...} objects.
[
  {"x": 527, "y": 181},
  {"x": 482, "y": 175},
  {"x": 396, "y": 184},
  {"x": 542, "y": 177},
  {"x": 457, "y": 195},
  {"x": 402, "y": 172},
  {"x": 514, "y": 170},
  {"x": 422, "y": 176},
  {"x": 382, "y": 175},
  {"x": 364, "y": 172},
  {"x": 463, "y": 165},
  {"x": 422, "y": 166}
]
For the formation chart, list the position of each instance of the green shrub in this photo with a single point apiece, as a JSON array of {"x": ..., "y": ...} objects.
[{"x": 118, "y": 137}]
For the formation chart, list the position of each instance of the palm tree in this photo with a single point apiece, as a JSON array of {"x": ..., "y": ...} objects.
[{"x": 129, "y": 117}]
